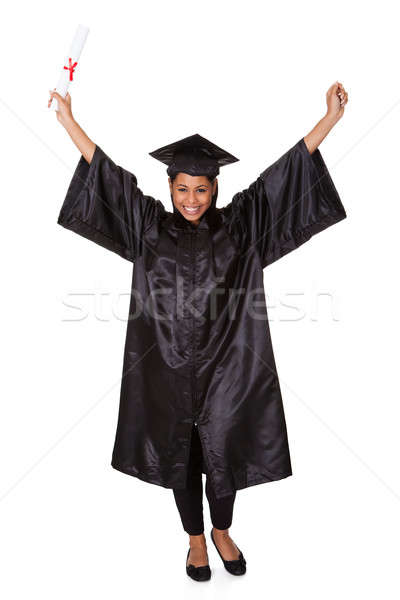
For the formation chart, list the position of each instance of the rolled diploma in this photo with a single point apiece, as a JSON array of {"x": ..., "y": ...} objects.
[{"x": 74, "y": 53}]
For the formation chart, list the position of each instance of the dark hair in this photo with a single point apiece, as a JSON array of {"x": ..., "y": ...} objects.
[{"x": 210, "y": 179}]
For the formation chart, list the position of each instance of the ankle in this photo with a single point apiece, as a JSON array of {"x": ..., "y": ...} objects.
[
  {"x": 220, "y": 532},
  {"x": 197, "y": 540}
]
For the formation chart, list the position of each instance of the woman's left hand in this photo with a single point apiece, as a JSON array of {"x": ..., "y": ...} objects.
[{"x": 336, "y": 100}]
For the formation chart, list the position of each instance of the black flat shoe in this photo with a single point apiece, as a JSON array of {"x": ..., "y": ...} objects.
[
  {"x": 234, "y": 567},
  {"x": 202, "y": 573}
]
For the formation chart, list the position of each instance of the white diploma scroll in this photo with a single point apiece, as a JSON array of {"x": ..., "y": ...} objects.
[{"x": 70, "y": 64}]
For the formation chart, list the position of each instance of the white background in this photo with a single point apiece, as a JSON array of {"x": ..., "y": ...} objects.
[{"x": 252, "y": 77}]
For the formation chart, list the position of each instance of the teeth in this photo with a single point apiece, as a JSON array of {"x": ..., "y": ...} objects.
[{"x": 191, "y": 209}]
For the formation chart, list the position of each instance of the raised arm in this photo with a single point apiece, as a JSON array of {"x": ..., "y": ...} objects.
[
  {"x": 292, "y": 199},
  {"x": 103, "y": 202}
]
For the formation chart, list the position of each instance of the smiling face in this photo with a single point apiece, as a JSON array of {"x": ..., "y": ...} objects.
[{"x": 192, "y": 195}]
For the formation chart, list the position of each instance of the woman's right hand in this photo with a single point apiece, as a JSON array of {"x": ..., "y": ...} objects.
[{"x": 64, "y": 112}]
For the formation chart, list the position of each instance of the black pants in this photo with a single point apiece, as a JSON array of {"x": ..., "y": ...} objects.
[{"x": 190, "y": 501}]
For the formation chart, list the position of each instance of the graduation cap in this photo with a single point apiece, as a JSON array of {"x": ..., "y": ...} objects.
[{"x": 194, "y": 155}]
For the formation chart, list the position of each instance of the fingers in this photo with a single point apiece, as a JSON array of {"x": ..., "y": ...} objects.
[
  {"x": 342, "y": 94},
  {"x": 56, "y": 94},
  {"x": 338, "y": 89},
  {"x": 59, "y": 97},
  {"x": 333, "y": 88},
  {"x": 336, "y": 98},
  {"x": 51, "y": 98}
]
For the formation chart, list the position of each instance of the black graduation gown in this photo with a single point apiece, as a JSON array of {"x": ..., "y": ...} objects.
[{"x": 198, "y": 346}]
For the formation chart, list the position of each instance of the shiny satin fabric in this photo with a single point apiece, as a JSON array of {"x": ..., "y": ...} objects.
[{"x": 198, "y": 346}]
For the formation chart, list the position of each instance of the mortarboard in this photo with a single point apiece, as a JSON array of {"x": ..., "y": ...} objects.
[{"x": 194, "y": 155}]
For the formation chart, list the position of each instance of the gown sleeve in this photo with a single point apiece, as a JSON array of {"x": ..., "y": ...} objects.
[
  {"x": 105, "y": 205},
  {"x": 292, "y": 200}
]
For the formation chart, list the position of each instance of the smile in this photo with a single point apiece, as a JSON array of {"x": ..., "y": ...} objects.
[{"x": 192, "y": 210}]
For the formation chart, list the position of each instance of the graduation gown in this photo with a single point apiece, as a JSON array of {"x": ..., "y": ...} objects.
[{"x": 198, "y": 346}]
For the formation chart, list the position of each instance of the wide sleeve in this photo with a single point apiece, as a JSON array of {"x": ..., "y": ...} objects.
[
  {"x": 292, "y": 200},
  {"x": 105, "y": 205}
]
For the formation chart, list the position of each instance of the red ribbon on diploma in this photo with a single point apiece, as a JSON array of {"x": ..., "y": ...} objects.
[{"x": 70, "y": 68}]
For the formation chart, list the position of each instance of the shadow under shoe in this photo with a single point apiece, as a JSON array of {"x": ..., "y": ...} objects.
[{"x": 234, "y": 567}]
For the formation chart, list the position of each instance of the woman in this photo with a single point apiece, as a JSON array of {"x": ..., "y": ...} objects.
[{"x": 199, "y": 391}]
